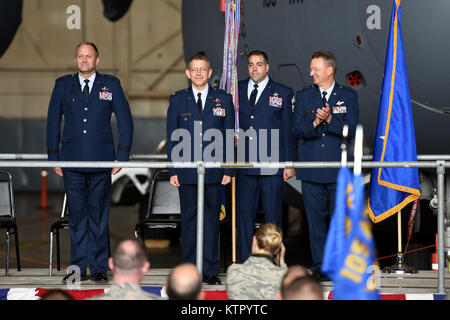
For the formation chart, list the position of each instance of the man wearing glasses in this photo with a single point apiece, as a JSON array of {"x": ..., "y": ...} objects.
[{"x": 197, "y": 119}]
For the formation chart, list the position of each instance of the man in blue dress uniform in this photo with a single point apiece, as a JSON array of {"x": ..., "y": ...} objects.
[
  {"x": 200, "y": 116},
  {"x": 321, "y": 111},
  {"x": 265, "y": 115},
  {"x": 86, "y": 100}
]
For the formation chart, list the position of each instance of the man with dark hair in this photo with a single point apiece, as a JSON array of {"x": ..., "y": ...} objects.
[
  {"x": 193, "y": 112},
  {"x": 321, "y": 111},
  {"x": 265, "y": 107},
  {"x": 87, "y": 100},
  {"x": 184, "y": 283},
  {"x": 129, "y": 265}
]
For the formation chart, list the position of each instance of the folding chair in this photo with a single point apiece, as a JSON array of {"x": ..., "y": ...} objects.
[
  {"x": 7, "y": 215},
  {"x": 61, "y": 224},
  {"x": 163, "y": 206}
]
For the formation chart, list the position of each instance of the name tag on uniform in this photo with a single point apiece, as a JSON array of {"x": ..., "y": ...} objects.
[
  {"x": 219, "y": 112},
  {"x": 106, "y": 95},
  {"x": 275, "y": 101},
  {"x": 342, "y": 109}
]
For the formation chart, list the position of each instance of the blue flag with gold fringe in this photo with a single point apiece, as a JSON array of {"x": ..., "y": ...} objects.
[
  {"x": 391, "y": 189},
  {"x": 349, "y": 256}
]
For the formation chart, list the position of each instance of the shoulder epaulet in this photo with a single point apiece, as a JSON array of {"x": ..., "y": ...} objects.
[
  {"x": 307, "y": 88},
  {"x": 110, "y": 77},
  {"x": 179, "y": 92},
  {"x": 67, "y": 76},
  {"x": 221, "y": 91},
  {"x": 346, "y": 88}
]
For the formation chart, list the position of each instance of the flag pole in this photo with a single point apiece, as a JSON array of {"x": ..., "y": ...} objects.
[
  {"x": 399, "y": 267},
  {"x": 358, "y": 149},
  {"x": 229, "y": 83},
  {"x": 399, "y": 230},
  {"x": 344, "y": 146},
  {"x": 233, "y": 219}
]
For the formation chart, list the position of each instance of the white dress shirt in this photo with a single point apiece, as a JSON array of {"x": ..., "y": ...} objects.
[
  {"x": 329, "y": 91},
  {"x": 261, "y": 86},
  {"x": 90, "y": 83},
  {"x": 203, "y": 96}
]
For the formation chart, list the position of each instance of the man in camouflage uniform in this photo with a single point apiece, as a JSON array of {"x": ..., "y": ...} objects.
[
  {"x": 258, "y": 278},
  {"x": 129, "y": 264}
]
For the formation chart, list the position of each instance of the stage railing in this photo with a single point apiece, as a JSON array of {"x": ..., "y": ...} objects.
[{"x": 438, "y": 162}]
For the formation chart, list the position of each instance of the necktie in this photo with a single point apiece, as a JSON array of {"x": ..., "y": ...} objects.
[
  {"x": 253, "y": 97},
  {"x": 199, "y": 102},
  {"x": 86, "y": 90},
  {"x": 324, "y": 97}
]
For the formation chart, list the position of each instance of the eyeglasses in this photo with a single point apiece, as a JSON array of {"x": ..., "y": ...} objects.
[{"x": 201, "y": 70}]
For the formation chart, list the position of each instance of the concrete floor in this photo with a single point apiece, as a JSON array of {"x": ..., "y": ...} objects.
[{"x": 34, "y": 227}]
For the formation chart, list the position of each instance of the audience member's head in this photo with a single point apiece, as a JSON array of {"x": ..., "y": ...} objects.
[
  {"x": 303, "y": 288},
  {"x": 293, "y": 272},
  {"x": 268, "y": 238},
  {"x": 56, "y": 295},
  {"x": 129, "y": 261},
  {"x": 184, "y": 283}
]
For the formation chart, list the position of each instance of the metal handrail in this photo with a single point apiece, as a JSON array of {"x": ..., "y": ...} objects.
[
  {"x": 43, "y": 156},
  {"x": 216, "y": 165},
  {"x": 440, "y": 164}
]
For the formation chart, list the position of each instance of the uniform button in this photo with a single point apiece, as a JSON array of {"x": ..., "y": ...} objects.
[
  {"x": 85, "y": 108},
  {"x": 251, "y": 127},
  {"x": 201, "y": 134},
  {"x": 250, "y": 138},
  {"x": 323, "y": 134},
  {"x": 84, "y": 131},
  {"x": 252, "y": 117},
  {"x": 201, "y": 145},
  {"x": 201, "y": 122},
  {"x": 323, "y": 146},
  {"x": 85, "y": 120}
]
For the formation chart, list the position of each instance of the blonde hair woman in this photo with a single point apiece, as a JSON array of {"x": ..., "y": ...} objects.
[{"x": 259, "y": 277}]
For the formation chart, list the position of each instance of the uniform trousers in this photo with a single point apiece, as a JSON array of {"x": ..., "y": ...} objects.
[
  {"x": 319, "y": 200},
  {"x": 212, "y": 203},
  {"x": 249, "y": 190},
  {"x": 89, "y": 199}
]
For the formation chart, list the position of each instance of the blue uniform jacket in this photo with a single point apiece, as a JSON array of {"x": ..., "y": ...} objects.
[
  {"x": 87, "y": 134},
  {"x": 323, "y": 143},
  {"x": 183, "y": 113},
  {"x": 273, "y": 110}
]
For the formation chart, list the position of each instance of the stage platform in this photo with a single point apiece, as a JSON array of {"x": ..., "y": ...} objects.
[
  {"x": 423, "y": 282},
  {"x": 34, "y": 226}
]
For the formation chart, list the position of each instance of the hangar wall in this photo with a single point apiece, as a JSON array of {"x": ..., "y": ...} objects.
[{"x": 144, "y": 49}]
